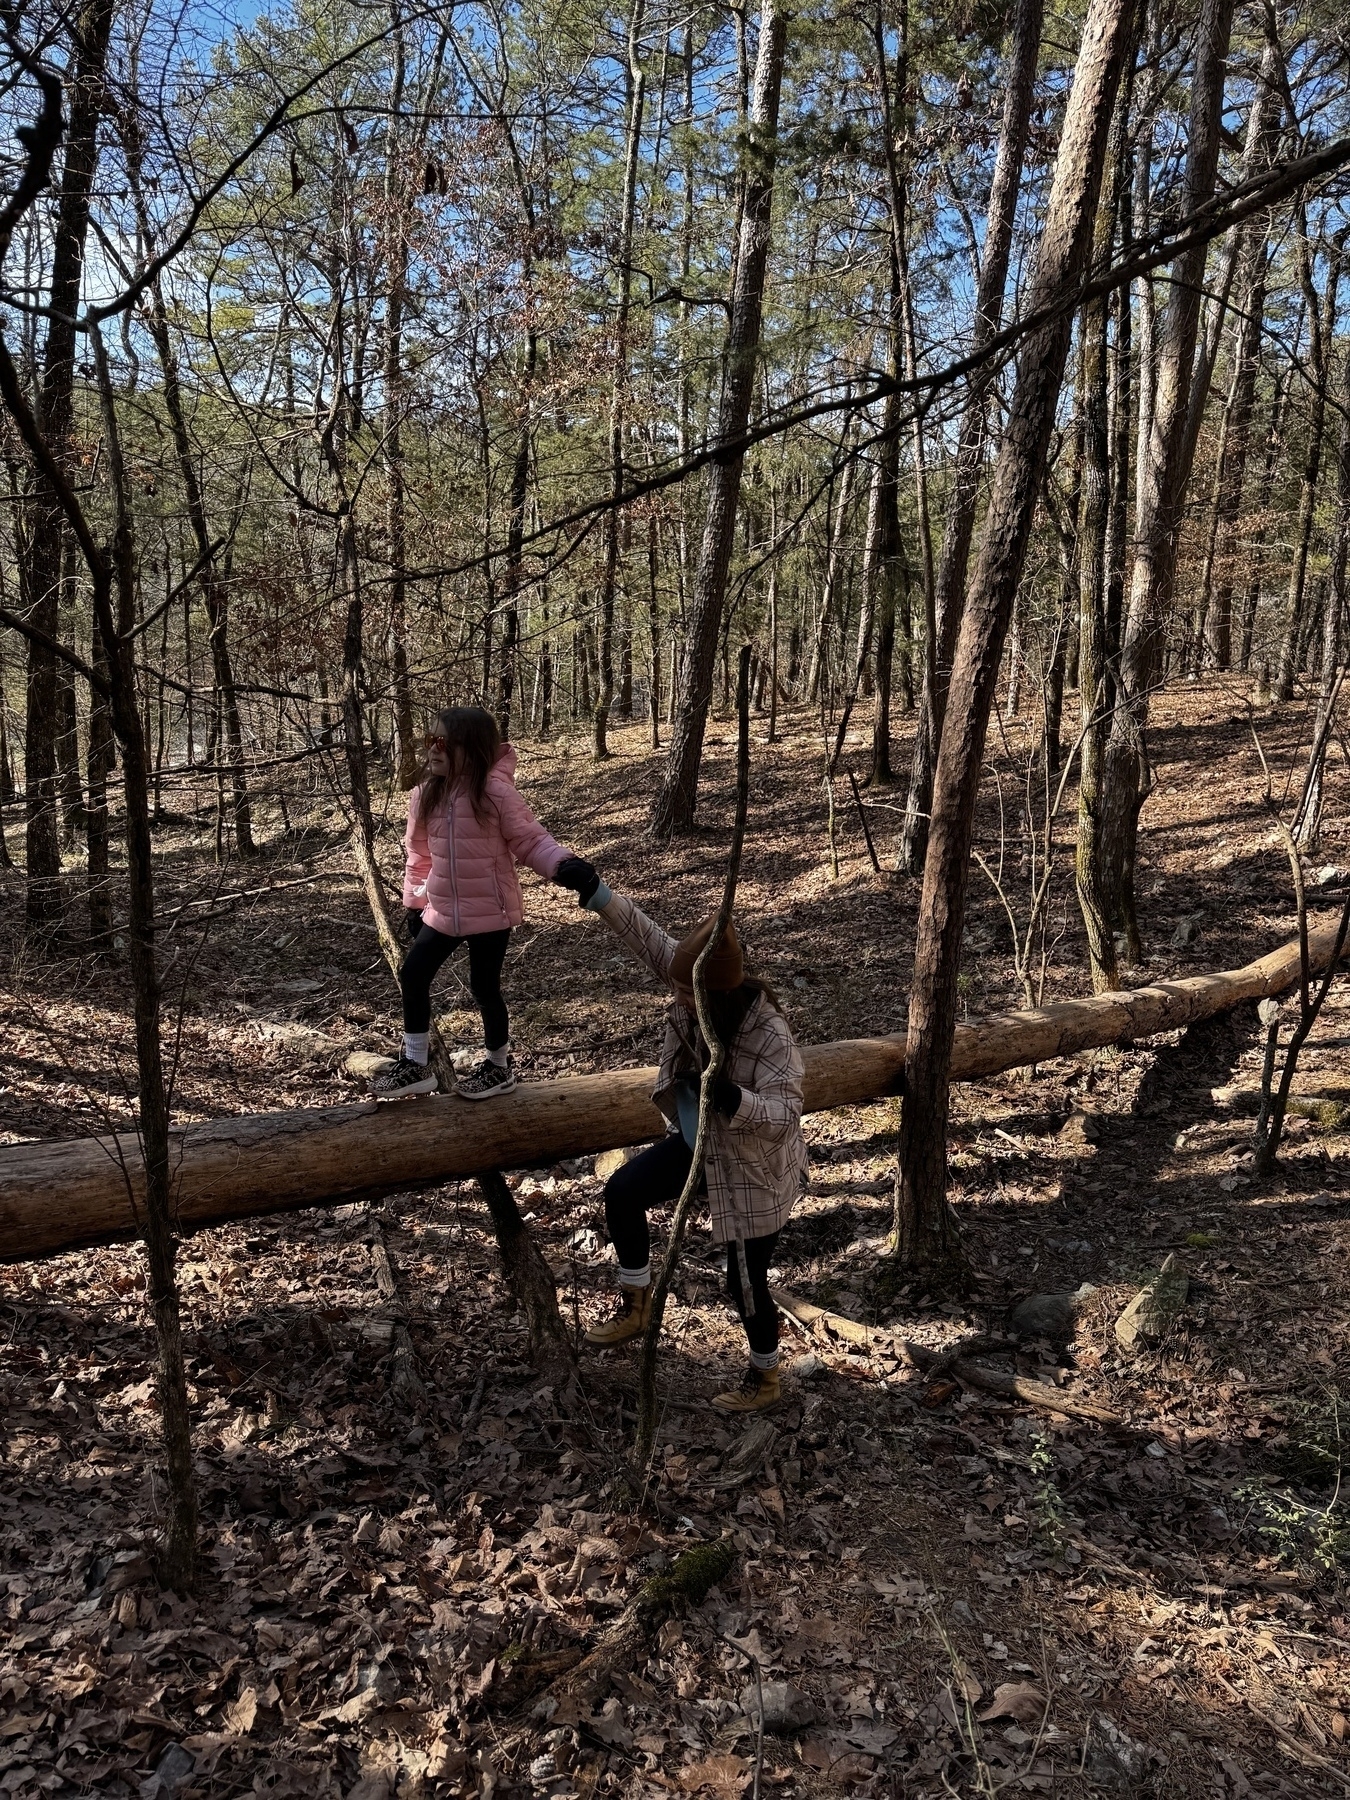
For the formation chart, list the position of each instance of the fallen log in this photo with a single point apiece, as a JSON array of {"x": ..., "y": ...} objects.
[
  {"x": 809, "y": 1315},
  {"x": 1031, "y": 1393},
  {"x": 63, "y": 1195}
]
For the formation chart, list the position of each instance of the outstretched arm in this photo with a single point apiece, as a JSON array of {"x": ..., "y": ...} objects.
[
  {"x": 643, "y": 936},
  {"x": 526, "y": 838}
]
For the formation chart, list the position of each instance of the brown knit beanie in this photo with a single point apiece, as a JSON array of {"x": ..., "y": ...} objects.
[{"x": 724, "y": 969}]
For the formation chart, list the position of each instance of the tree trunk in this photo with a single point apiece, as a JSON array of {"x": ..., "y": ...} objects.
[
  {"x": 654, "y": 629},
  {"x": 1244, "y": 263},
  {"x": 214, "y": 594},
  {"x": 1162, "y": 482},
  {"x": 1054, "y": 699},
  {"x": 1236, "y": 439},
  {"x": 102, "y": 761},
  {"x": 963, "y": 495},
  {"x": 637, "y": 89},
  {"x": 531, "y": 1282},
  {"x": 147, "y": 1191},
  {"x": 834, "y": 557},
  {"x": 68, "y": 758},
  {"x": 1333, "y": 624},
  {"x": 397, "y": 210},
  {"x": 7, "y": 783},
  {"x": 1121, "y": 396},
  {"x": 926, "y": 1239},
  {"x": 253, "y": 1164},
  {"x": 889, "y": 578},
  {"x": 675, "y": 804},
  {"x": 1322, "y": 327},
  {"x": 514, "y": 578},
  {"x": 1013, "y": 692},
  {"x": 1093, "y": 550},
  {"x": 41, "y": 572},
  {"x": 213, "y": 589},
  {"x": 1257, "y": 538}
]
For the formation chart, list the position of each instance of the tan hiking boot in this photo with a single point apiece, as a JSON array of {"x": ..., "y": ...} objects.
[
  {"x": 760, "y": 1388},
  {"x": 630, "y": 1321}
]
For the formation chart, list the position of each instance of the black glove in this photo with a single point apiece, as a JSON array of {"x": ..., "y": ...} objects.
[
  {"x": 726, "y": 1097},
  {"x": 413, "y": 921},
  {"x": 576, "y": 873}
]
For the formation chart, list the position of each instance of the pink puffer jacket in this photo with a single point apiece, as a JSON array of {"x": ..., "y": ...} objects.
[{"x": 460, "y": 870}]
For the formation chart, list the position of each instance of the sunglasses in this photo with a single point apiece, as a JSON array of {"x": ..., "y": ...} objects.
[{"x": 435, "y": 742}]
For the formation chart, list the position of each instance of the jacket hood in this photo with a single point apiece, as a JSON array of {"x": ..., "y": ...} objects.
[{"x": 506, "y": 762}]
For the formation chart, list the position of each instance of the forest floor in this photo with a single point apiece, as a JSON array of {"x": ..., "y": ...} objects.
[{"x": 966, "y": 1593}]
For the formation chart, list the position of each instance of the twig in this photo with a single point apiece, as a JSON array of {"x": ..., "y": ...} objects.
[
  {"x": 1270, "y": 1119},
  {"x": 1031, "y": 1393},
  {"x": 221, "y": 900},
  {"x": 404, "y": 1383},
  {"x": 806, "y": 1314},
  {"x": 753, "y": 1661},
  {"x": 862, "y": 820},
  {"x": 646, "y": 1425}
]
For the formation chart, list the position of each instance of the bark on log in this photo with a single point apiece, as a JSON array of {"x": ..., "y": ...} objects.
[
  {"x": 405, "y": 1383},
  {"x": 63, "y": 1195}
]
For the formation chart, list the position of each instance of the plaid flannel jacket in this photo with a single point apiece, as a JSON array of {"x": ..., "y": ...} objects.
[{"x": 756, "y": 1166}]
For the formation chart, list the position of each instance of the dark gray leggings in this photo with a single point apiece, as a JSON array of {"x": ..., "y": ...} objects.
[
  {"x": 656, "y": 1176},
  {"x": 487, "y": 953}
]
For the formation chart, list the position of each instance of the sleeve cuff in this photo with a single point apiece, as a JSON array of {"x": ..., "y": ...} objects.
[{"x": 600, "y": 899}]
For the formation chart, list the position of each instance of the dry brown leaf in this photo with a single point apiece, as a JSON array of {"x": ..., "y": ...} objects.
[
  {"x": 240, "y": 1713},
  {"x": 1020, "y": 1700},
  {"x": 370, "y": 1787},
  {"x": 608, "y": 1725},
  {"x": 726, "y": 1776},
  {"x": 833, "y": 1757}
]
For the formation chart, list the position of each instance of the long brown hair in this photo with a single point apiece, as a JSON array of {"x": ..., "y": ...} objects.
[
  {"x": 473, "y": 744},
  {"x": 731, "y": 1009}
]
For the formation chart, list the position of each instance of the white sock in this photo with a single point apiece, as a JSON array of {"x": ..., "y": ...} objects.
[
  {"x": 636, "y": 1278},
  {"x": 498, "y": 1057},
  {"x": 764, "y": 1359},
  {"x": 417, "y": 1046}
]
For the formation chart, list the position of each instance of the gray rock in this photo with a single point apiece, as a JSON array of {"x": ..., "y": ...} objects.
[
  {"x": 378, "y": 1678},
  {"x": 609, "y": 1161},
  {"x": 1155, "y": 1308},
  {"x": 133, "y": 1567},
  {"x": 806, "y": 1366},
  {"x": 1081, "y": 1130},
  {"x": 1215, "y": 1523},
  {"x": 786, "y": 1708},
  {"x": 365, "y": 1066},
  {"x": 171, "y": 1771},
  {"x": 1116, "y": 1762},
  {"x": 1051, "y": 1316},
  {"x": 1187, "y": 932},
  {"x": 1328, "y": 875}
]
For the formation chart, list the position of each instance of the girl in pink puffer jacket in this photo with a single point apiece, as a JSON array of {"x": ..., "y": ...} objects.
[{"x": 467, "y": 829}]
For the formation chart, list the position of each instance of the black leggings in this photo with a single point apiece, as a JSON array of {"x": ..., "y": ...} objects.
[
  {"x": 487, "y": 953},
  {"x": 658, "y": 1175}
]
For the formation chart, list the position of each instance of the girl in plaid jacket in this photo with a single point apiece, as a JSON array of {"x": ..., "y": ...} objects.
[{"x": 756, "y": 1156}]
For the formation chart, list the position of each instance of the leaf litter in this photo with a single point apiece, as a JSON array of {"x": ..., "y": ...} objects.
[{"x": 969, "y": 1594}]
